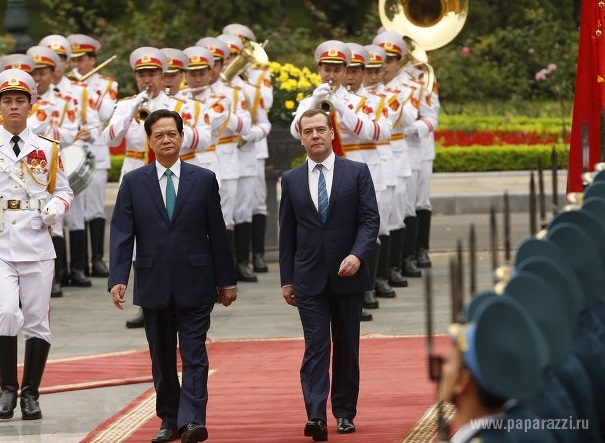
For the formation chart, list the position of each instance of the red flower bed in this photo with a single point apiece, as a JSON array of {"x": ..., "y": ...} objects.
[{"x": 450, "y": 137}]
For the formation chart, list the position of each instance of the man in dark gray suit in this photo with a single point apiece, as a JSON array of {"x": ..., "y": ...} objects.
[
  {"x": 183, "y": 260},
  {"x": 328, "y": 227}
]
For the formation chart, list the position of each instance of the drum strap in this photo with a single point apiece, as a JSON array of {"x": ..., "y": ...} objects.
[{"x": 84, "y": 105}]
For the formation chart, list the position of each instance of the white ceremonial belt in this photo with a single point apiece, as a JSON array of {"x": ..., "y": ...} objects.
[{"x": 16, "y": 205}]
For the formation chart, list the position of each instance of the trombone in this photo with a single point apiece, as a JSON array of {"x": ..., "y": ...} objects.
[{"x": 76, "y": 76}]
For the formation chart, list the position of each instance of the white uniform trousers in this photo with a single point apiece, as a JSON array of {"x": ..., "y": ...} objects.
[
  {"x": 423, "y": 200},
  {"x": 260, "y": 189},
  {"x": 411, "y": 194},
  {"x": 385, "y": 199},
  {"x": 397, "y": 212},
  {"x": 228, "y": 191},
  {"x": 29, "y": 282},
  {"x": 244, "y": 198},
  {"x": 94, "y": 196}
]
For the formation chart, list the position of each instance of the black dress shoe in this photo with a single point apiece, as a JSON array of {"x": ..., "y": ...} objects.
[
  {"x": 137, "y": 321},
  {"x": 193, "y": 433},
  {"x": 165, "y": 435},
  {"x": 396, "y": 279},
  {"x": 383, "y": 289},
  {"x": 56, "y": 290},
  {"x": 30, "y": 407},
  {"x": 258, "y": 263},
  {"x": 316, "y": 429},
  {"x": 345, "y": 426},
  {"x": 243, "y": 273},
  {"x": 366, "y": 315},
  {"x": 369, "y": 300},
  {"x": 423, "y": 260},
  {"x": 409, "y": 268},
  {"x": 8, "y": 401},
  {"x": 78, "y": 279},
  {"x": 99, "y": 268}
]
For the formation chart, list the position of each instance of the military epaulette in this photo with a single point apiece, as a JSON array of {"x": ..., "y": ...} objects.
[
  {"x": 393, "y": 90},
  {"x": 378, "y": 94},
  {"x": 236, "y": 87},
  {"x": 52, "y": 140},
  {"x": 105, "y": 77}
]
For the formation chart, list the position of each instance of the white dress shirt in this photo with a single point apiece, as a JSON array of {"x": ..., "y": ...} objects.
[
  {"x": 328, "y": 170},
  {"x": 176, "y": 173}
]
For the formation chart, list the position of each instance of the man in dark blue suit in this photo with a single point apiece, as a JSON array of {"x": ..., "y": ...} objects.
[
  {"x": 183, "y": 262},
  {"x": 328, "y": 228}
]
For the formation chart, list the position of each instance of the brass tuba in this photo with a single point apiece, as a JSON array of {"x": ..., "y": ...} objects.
[
  {"x": 425, "y": 24},
  {"x": 252, "y": 52}
]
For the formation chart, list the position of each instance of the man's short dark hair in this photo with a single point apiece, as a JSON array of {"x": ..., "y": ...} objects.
[
  {"x": 163, "y": 113},
  {"x": 312, "y": 113}
]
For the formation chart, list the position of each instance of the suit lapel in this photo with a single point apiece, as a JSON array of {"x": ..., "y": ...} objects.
[{"x": 153, "y": 184}]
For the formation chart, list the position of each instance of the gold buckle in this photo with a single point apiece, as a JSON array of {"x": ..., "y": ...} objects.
[{"x": 13, "y": 204}]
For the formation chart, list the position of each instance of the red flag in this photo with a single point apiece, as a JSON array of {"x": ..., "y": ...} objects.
[{"x": 589, "y": 98}]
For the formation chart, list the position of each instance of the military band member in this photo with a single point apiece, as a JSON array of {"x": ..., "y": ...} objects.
[
  {"x": 246, "y": 157},
  {"x": 237, "y": 124},
  {"x": 259, "y": 76},
  {"x": 403, "y": 112},
  {"x": 375, "y": 106},
  {"x": 34, "y": 193},
  {"x": 175, "y": 74},
  {"x": 102, "y": 96},
  {"x": 89, "y": 130},
  {"x": 211, "y": 111}
]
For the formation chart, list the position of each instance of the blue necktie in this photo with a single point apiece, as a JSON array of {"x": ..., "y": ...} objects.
[
  {"x": 170, "y": 193},
  {"x": 322, "y": 194}
]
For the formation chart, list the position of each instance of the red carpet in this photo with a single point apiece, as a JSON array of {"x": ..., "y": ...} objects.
[{"x": 255, "y": 395}]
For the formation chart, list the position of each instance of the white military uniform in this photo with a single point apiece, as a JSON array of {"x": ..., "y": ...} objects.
[
  {"x": 238, "y": 123},
  {"x": 26, "y": 250}
]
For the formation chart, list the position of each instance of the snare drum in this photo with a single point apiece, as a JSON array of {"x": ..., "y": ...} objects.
[{"x": 79, "y": 167}]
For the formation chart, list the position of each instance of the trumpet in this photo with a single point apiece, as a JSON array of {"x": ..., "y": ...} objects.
[
  {"x": 326, "y": 104},
  {"x": 192, "y": 92},
  {"x": 143, "y": 112}
]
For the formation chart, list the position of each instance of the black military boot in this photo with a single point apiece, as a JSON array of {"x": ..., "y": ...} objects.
[
  {"x": 369, "y": 297},
  {"x": 366, "y": 315},
  {"x": 36, "y": 353},
  {"x": 383, "y": 289},
  {"x": 395, "y": 278},
  {"x": 137, "y": 321},
  {"x": 424, "y": 234},
  {"x": 77, "y": 241},
  {"x": 8, "y": 376},
  {"x": 242, "y": 253},
  {"x": 97, "y": 243},
  {"x": 259, "y": 224},
  {"x": 408, "y": 253},
  {"x": 60, "y": 270}
]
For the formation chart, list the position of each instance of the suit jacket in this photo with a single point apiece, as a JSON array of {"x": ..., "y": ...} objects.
[
  {"x": 184, "y": 259},
  {"x": 310, "y": 252}
]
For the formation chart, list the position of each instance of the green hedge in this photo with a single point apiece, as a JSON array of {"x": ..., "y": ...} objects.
[{"x": 459, "y": 159}]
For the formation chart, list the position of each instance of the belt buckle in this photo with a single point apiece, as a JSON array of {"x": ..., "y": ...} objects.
[{"x": 13, "y": 205}]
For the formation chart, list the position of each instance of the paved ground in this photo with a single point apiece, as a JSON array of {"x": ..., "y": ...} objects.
[{"x": 84, "y": 321}]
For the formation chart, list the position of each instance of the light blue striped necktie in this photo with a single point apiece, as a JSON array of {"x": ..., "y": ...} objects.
[
  {"x": 322, "y": 194},
  {"x": 170, "y": 193}
]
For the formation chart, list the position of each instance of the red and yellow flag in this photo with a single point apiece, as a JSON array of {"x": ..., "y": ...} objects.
[{"x": 589, "y": 98}]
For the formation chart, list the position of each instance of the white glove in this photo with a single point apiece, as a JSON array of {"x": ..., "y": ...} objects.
[
  {"x": 321, "y": 92},
  {"x": 216, "y": 119},
  {"x": 254, "y": 134},
  {"x": 138, "y": 101},
  {"x": 51, "y": 212},
  {"x": 411, "y": 135}
]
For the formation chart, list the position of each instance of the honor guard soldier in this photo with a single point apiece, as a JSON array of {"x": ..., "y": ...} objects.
[
  {"x": 102, "y": 97},
  {"x": 34, "y": 193},
  {"x": 89, "y": 131},
  {"x": 210, "y": 111},
  {"x": 246, "y": 157},
  {"x": 373, "y": 105},
  {"x": 258, "y": 75},
  {"x": 54, "y": 115},
  {"x": 487, "y": 368},
  {"x": 403, "y": 111},
  {"x": 175, "y": 74},
  {"x": 421, "y": 140},
  {"x": 237, "y": 124}
]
